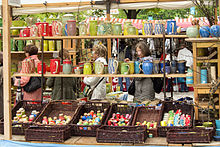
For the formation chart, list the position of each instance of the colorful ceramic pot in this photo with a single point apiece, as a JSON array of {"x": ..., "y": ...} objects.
[
  {"x": 125, "y": 67},
  {"x": 192, "y": 32},
  {"x": 204, "y": 31},
  {"x": 147, "y": 28},
  {"x": 67, "y": 67},
  {"x": 159, "y": 28},
  {"x": 117, "y": 29},
  {"x": 126, "y": 25},
  {"x": 87, "y": 70},
  {"x": 112, "y": 66},
  {"x": 131, "y": 65},
  {"x": 147, "y": 67},
  {"x": 136, "y": 67},
  {"x": 101, "y": 29},
  {"x": 215, "y": 31},
  {"x": 55, "y": 67},
  {"x": 171, "y": 27},
  {"x": 131, "y": 30},
  {"x": 93, "y": 27},
  {"x": 71, "y": 27},
  {"x": 20, "y": 45},
  {"x": 99, "y": 68},
  {"x": 82, "y": 29},
  {"x": 108, "y": 28}
]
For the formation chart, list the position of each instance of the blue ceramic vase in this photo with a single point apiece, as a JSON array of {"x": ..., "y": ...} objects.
[
  {"x": 171, "y": 27},
  {"x": 204, "y": 31},
  {"x": 148, "y": 28},
  {"x": 159, "y": 28},
  {"x": 215, "y": 31}
]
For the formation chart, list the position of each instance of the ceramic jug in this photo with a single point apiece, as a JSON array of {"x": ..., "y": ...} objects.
[
  {"x": 25, "y": 32},
  {"x": 156, "y": 68},
  {"x": 131, "y": 30},
  {"x": 67, "y": 67},
  {"x": 112, "y": 66},
  {"x": 159, "y": 28},
  {"x": 82, "y": 29},
  {"x": 99, "y": 68},
  {"x": 131, "y": 65},
  {"x": 204, "y": 31},
  {"x": 39, "y": 68},
  {"x": 108, "y": 28},
  {"x": 117, "y": 29},
  {"x": 171, "y": 27},
  {"x": 125, "y": 67},
  {"x": 147, "y": 67},
  {"x": 87, "y": 70},
  {"x": 71, "y": 27},
  {"x": 93, "y": 27},
  {"x": 147, "y": 28},
  {"x": 192, "y": 32},
  {"x": 101, "y": 29},
  {"x": 215, "y": 31},
  {"x": 34, "y": 31},
  {"x": 161, "y": 66},
  {"x": 46, "y": 46},
  {"x": 125, "y": 27},
  {"x": 55, "y": 66},
  {"x": 51, "y": 45},
  {"x": 43, "y": 28},
  {"x": 136, "y": 67},
  {"x": 56, "y": 28},
  {"x": 20, "y": 45},
  {"x": 58, "y": 45}
]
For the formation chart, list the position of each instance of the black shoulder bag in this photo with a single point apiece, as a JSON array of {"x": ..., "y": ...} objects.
[
  {"x": 131, "y": 88},
  {"x": 33, "y": 84}
]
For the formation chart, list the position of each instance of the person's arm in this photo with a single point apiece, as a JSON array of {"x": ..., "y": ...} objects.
[{"x": 50, "y": 82}]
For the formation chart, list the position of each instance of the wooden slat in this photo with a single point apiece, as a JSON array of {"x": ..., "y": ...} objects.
[
  {"x": 203, "y": 40},
  {"x": 208, "y": 61},
  {"x": 204, "y": 45},
  {"x": 45, "y": 52},
  {"x": 219, "y": 74},
  {"x": 6, "y": 69},
  {"x": 101, "y": 75},
  {"x": 100, "y": 37}
]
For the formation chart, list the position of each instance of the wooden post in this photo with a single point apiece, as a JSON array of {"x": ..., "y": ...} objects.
[
  {"x": 219, "y": 74},
  {"x": 6, "y": 69}
]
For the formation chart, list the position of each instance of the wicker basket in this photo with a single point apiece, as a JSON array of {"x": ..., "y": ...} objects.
[
  {"x": 78, "y": 130},
  {"x": 173, "y": 105},
  {"x": 128, "y": 134},
  {"x": 56, "y": 133},
  {"x": 186, "y": 136},
  {"x": 200, "y": 123},
  {"x": 48, "y": 134},
  {"x": 147, "y": 114},
  {"x": 29, "y": 106}
]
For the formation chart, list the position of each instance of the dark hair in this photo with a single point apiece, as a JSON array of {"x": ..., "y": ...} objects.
[
  {"x": 31, "y": 49},
  {"x": 1, "y": 58},
  {"x": 144, "y": 48},
  {"x": 65, "y": 54}
]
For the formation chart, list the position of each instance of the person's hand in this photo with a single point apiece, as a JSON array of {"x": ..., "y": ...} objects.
[{"x": 127, "y": 60}]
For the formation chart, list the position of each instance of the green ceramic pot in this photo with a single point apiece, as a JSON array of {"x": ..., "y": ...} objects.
[
  {"x": 117, "y": 29},
  {"x": 192, "y": 32},
  {"x": 93, "y": 27},
  {"x": 82, "y": 29},
  {"x": 131, "y": 30}
]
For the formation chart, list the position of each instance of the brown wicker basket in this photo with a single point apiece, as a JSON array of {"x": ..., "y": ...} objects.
[
  {"x": 147, "y": 114},
  {"x": 128, "y": 134},
  {"x": 81, "y": 130},
  {"x": 187, "y": 136},
  {"x": 52, "y": 133},
  {"x": 29, "y": 106},
  {"x": 48, "y": 134},
  {"x": 174, "y": 105}
]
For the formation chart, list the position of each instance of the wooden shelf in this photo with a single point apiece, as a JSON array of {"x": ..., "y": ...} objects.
[
  {"x": 100, "y": 37},
  {"x": 208, "y": 61},
  {"x": 101, "y": 75},
  {"x": 15, "y": 27},
  {"x": 205, "y": 105},
  {"x": 200, "y": 40},
  {"x": 208, "y": 85},
  {"x": 45, "y": 52}
]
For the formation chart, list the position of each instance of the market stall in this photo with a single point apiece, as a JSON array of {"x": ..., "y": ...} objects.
[{"x": 60, "y": 120}]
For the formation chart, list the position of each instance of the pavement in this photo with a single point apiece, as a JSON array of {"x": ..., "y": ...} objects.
[{"x": 176, "y": 95}]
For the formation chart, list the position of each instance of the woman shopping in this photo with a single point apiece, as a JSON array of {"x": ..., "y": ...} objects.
[
  {"x": 144, "y": 89},
  {"x": 99, "y": 83},
  {"x": 30, "y": 53}
]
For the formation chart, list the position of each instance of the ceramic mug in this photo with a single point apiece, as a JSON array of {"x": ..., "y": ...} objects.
[
  {"x": 99, "y": 68},
  {"x": 112, "y": 66},
  {"x": 87, "y": 70},
  {"x": 39, "y": 68},
  {"x": 147, "y": 67},
  {"x": 55, "y": 66},
  {"x": 125, "y": 67},
  {"x": 131, "y": 64},
  {"x": 136, "y": 67},
  {"x": 77, "y": 70}
]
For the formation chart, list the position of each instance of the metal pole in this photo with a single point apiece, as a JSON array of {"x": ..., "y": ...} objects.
[
  {"x": 62, "y": 63},
  {"x": 171, "y": 59},
  {"x": 164, "y": 73},
  {"x": 42, "y": 68}
]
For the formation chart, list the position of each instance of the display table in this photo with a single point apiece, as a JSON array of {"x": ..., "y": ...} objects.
[{"x": 91, "y": 141}]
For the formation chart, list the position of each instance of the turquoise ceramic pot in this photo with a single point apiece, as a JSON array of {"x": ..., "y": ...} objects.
[{"x": 192, "y": 32}]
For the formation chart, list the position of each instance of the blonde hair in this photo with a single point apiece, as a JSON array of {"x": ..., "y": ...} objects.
[{"x": 100, "y": 50}]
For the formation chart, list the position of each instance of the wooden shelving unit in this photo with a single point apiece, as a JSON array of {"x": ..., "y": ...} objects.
[
  {"x": 198, "y": 87},
  {"x": 100, "y": 75}
]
